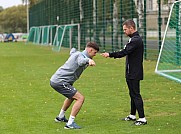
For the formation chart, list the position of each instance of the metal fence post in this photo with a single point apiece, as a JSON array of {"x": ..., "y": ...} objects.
[
  {"x": 111, "y": 19},
  {"x": 177, "y": 34},
  {"x": 121, "y": 21},
  {"x": 159, "y": 24},
  {"x": 104, "y": 24},
  {"x": 144, "y": 34}
]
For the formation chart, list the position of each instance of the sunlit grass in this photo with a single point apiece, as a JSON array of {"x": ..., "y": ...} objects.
[{"x": 29, "y": 105}]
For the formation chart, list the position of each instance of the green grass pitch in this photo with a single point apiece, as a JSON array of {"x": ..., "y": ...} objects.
[{"x": 29, "y": 105}]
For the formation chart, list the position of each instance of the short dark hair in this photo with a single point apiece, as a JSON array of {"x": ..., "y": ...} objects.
[
  {"x": 93, "y": 45},
  {"x": 129, "y": 23}
]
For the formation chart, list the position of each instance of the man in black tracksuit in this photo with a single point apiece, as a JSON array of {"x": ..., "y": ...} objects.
[{"x": 134, "y": 70}]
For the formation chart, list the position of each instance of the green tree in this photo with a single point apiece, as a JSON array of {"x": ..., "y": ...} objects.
[
  {"x": 13, "y": 19},
  {"x": 1, "y": 9}
]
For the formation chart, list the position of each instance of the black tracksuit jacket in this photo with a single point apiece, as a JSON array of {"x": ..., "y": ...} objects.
[{"x": 134, "y": 57}]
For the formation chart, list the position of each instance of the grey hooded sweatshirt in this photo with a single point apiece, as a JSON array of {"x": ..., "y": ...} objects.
[{"x": 73, "y": 67}]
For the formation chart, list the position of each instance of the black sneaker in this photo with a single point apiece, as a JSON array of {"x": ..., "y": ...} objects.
[
  {"x": 139, "y": 123},
  {"x": 57, "y": 119},
  {"x": 129, "y": 119}
]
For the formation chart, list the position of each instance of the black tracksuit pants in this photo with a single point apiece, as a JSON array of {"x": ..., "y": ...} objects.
[{"x": 136, "y": 99}]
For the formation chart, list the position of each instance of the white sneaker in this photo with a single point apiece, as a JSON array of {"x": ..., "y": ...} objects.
[{"x": 72, "y": 126}]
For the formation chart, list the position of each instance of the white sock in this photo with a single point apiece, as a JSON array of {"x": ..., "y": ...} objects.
[
  {"x": 142, "y": 119},
  {"x": 132, "y": 116},
  {"x": 71, "y": 120},
  {"x": 61, "y": 114}
]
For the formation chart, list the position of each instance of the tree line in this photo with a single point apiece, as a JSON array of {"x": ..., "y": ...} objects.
[{"x": 13, "y": 19}]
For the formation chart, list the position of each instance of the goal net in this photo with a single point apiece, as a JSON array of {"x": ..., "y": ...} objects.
[
  {"x": 67, "y": 36},
  {"x": 56, "y": 35},
  {"x": 169, "y": 59},
  {"x": 43, "y": 35},
  {"x": 34, "y": 35}
]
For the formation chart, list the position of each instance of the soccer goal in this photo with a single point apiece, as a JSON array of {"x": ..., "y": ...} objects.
[
  {"x": 169, "y": 59},
  {"x": 34, "y": 35},
  {"x": 67, "y": 36},
  {"x": 43, "y": 35},
  {"x": 56, "y": 35}
]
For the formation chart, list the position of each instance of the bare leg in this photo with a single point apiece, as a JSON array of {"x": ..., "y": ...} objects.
[
  {"x": 79, "y": 100},
  {"x": 67, "y": 104}
]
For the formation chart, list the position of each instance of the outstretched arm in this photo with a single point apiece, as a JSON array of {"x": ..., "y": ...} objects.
[{"x": 82, "y": 61}]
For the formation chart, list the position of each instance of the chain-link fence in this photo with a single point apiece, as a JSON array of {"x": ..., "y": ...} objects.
[{"x": 101, "y": 20}]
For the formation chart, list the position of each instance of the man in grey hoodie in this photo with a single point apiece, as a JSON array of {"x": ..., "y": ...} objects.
[{"x": 63, "y": 79}]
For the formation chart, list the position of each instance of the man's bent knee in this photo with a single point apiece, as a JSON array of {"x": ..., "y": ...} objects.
[{"x": 79, "y": 97}]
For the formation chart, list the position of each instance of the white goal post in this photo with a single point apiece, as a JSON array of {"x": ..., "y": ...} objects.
[
  {"x": 60, "y": 35},
  {"x": 56, "y": 35},
  {"x": 169, "y": 59}
]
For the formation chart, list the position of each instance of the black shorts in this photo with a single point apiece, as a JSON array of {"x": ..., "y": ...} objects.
[{"x": 63, "y": 88}]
